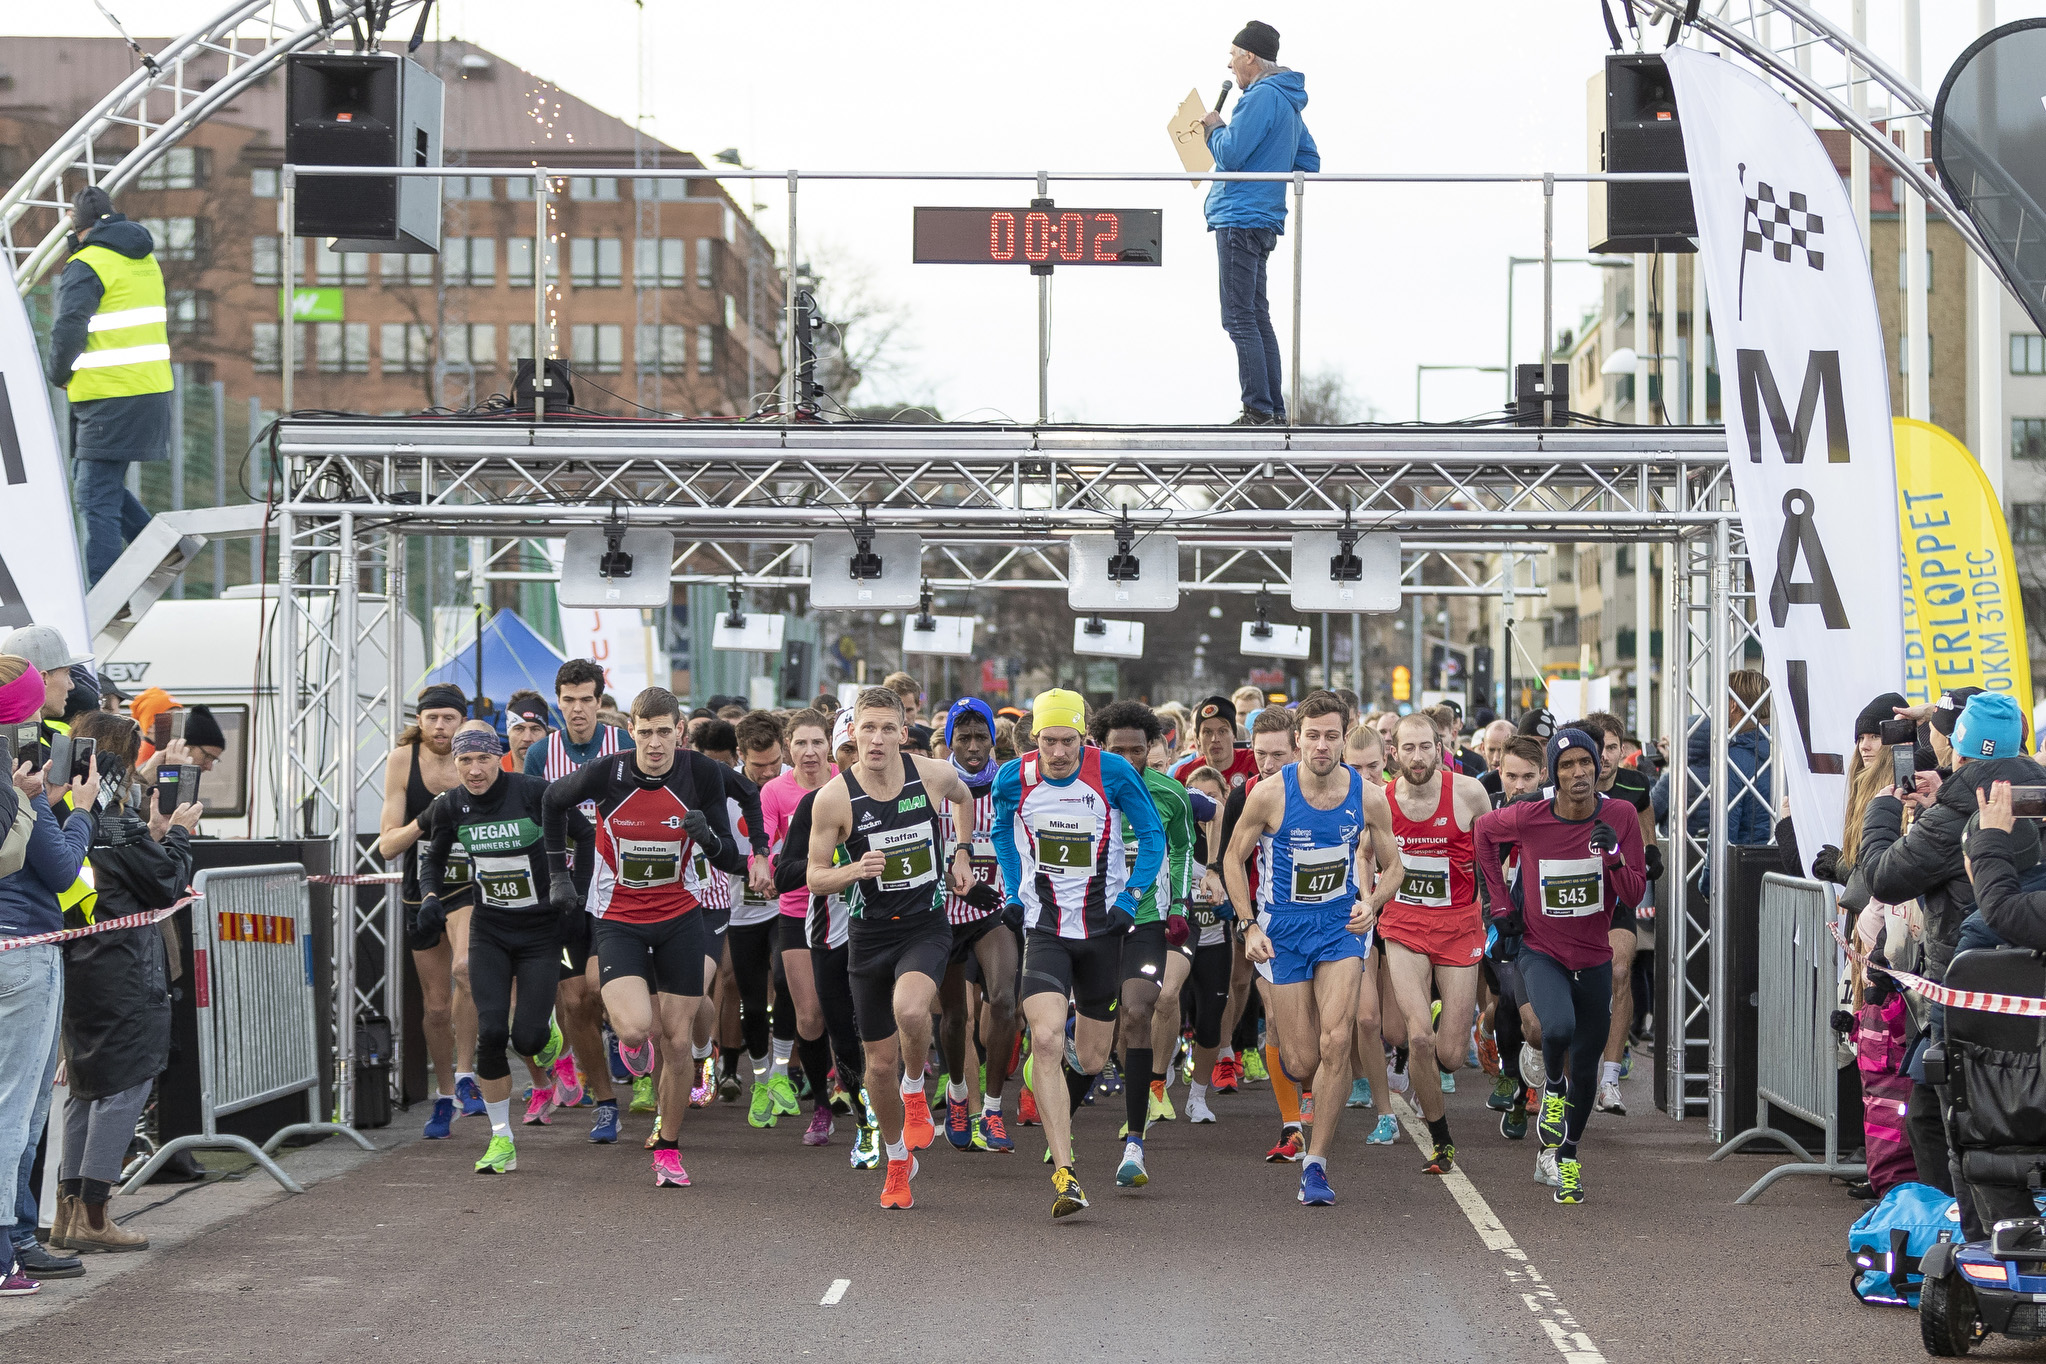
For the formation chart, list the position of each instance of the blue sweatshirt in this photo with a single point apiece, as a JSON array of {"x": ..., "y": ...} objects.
[
  {"x": 28, "y": 899},
  {"x": 1127, "y": 794},
  {"x": 1265, "y": 133}
]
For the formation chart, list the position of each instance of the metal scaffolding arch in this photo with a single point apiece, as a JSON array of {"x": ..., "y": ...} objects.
[{"x": 166, "y": 96}]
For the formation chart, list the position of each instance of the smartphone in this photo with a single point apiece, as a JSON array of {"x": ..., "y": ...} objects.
[
  {"x": 59, "y": 760},
  {"x": 81, "y": 760},
  {"x": 1901, "y": 737},
  {"x": 2028, "y": 800},
  {"x": 169, "y": 787},
  {"x": 28, "y": 744},
  {"x": 177, "y": 725}
]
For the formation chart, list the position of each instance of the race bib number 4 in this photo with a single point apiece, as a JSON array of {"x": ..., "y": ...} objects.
[
  {"x": 506, "y": 882},
  {"x": 1320, "y": 875},
  {"x": 1065, "y": 843},
  {"x": 1572, "y": 888},
  {"x": 643, "y": 863},
  {"x": 907, "y": 857},
  {"x": 1424, "y": 881}
]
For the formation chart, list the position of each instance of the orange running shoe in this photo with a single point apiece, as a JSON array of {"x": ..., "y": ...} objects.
[
  {"x": 1289, "y": 1148},
  {"x": 1228, "y": 1074},
  {"x": 1026, "y": 1108},
  {"x": 1488, "y": 1054},
  {"x": 895, "y": 1193},
  {"x": 917, "y": 1128}
]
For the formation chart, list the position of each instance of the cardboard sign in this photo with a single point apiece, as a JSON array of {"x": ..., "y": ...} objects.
[{"x": 1189, "y": 139}]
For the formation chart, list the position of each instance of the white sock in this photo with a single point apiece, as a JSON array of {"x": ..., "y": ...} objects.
[
  {"x": 759, "y": 1065},
  {"x": 500, "y": 1117},
  {"x": 1196, "y": 1094},
  {"x": 1609, "y": 1072},
  {"x": 451, "y": 1098},
  {"x": 782, "y": 1051},
  {"x": 955, "y": 1092},
  {"x": 1226, "y": 1054},
  {"x": 462, "y": 1075},
  {"x": 990, "y": 1103},
  {"x": 1322, "y": 1161},
  {"x": 897, "y": 1150},
  {"x": 915, "y": 1086},
  {"x": 701, "y": 1053}
]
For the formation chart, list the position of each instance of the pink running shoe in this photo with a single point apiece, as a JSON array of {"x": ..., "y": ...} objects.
[
  {"x": 668, "y": 1170},
  {"x": 539, "y": 1108},
  {"x": 821, "y": 1127},
  {"x": 638, "y": 1060},
  {"x": 568, "y": 1086},
  {"x": 706, "y": 1084}
]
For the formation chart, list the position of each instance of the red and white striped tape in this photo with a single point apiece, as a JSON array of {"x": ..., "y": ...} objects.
[
  {"x": 378, "y": 878},
  {"x": 1982, "y": 1001},
  {"x": 107, "y": 926}
]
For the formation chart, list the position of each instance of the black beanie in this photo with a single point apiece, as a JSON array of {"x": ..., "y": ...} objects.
[
  {"x": 1872, "y": 716},
  {"x": 92, "y": 203},
  {"x": 1259, "y": 38},
  {"x": 1538, "y": 723},
  {"x": 202, "y": 730}
]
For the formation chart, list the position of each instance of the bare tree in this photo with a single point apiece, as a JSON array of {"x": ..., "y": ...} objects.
[
  {"x": 1326, "y": 400},
  {"x": 862, "y": 333}
]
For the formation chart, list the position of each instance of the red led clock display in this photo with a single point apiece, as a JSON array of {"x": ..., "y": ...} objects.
[{"x": 1038, "y": 236}]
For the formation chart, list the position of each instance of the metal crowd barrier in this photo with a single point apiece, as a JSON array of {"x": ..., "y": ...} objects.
[
  {"x": 252, "y": 982},
  {"x": 1796, "y": 1054}
]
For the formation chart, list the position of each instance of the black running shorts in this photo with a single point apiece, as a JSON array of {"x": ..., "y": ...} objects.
[
  {"x": 673, "y": 947},
  {"x": 1144, "y": 950},
  {"x": 883, "y": 950},
  {"x": 1089, "y": 970}
]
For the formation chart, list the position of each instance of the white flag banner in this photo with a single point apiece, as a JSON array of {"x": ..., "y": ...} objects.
[
  {"x": 40, "y": 581},
  {"x": 1806, "y": 396}
]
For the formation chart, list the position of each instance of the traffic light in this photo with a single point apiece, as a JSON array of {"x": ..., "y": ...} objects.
[{"x": 1402, "y": 683}]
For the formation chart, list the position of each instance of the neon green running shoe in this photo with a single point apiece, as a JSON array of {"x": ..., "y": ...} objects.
[
  {"x": 644, "y": 1099},
  {"x": 502, "y": 1157},
  {"x": 551, "y": 1053},
  {"x": 1569, "y": 1181},
  {"x": 1550, "y": 1127},
  {"x": 760, "y": 1108},
  {"x": 782, "y": 1091},
  {"x": 866, "y": 1149},
  {"x": 1254, "y": 1065},
  {"x": 1159, "y": 1106}
]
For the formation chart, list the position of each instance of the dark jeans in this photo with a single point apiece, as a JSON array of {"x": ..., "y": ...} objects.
[
  {"x": 112, "y": 515},
  {"x": 1247, "y": 315}
]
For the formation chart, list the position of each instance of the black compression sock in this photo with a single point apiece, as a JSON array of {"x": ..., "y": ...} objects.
[
  {"x": 1438, "y": 1131},
  {"x": 663, "y": 1144},
  {"x": 1136, "y": 1088},
  {"x": 815, "y": 1053},
  {"x": 1077, "y": 1086},
  {"x": 728, "y": 1062}
]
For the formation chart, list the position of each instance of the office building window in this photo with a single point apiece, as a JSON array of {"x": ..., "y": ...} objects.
[
  {"x": 2027, "y": 353},
  {"x": 178, "y": 239},
  {"x": 664, "y": 262},
  {"x": 670, "y": 191},
  {"x": 597, "y": 188},
  {"x": 706, "y": 349},
  {"x": 341, "y": 347},
  {"x": 518, "y": 342},
  {"x": 518, "y": 262},
  {"x": 2028, "y": 523},
  {"x": 2028, "y": 438},
  {"x": 470, "y": 345},
  {"x": 189, "y": 312},
  {"x": 1904, "y": 358},
  {"x": 664, "y": 348},
  {"x": 264, "y": 341},
  {"x": 407, "y": 348},
  {"x": 1904, "y": 261},
  {"x": 731, "y": 313},
  {"x": 178, "y": 168},
  {"x": 264, "y": 182},
  {"x": 471, "y": 261},
  {"x": 596, "y": 349},
  {"x": 471, "y": 187},
  {"x": 706, "y": 261},
  {"x": 338, "y": 267},
  {"x": 594, "y": 262},
  {"x": 398, "y": 268},
  {"x": 266, "y": 264}
]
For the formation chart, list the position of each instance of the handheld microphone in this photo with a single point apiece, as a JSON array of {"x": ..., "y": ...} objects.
[{"x": 1226, "y": 86}]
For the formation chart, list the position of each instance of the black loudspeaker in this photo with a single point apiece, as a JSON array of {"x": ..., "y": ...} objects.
[
  {"x": 1481, "y": 675},
  {"x": 364, "y": 109},
  {"x": 1635, "y": 129},
  {"x": 560, "y": 392},
  {"x": 1527, "y": 395}
]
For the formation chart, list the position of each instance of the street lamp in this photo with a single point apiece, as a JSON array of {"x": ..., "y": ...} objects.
[{"x": 1515, "y": 262}]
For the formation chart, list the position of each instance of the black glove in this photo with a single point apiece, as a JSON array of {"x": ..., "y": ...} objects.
[
  {"x": 561, "y": 894},
  {"x": 1119, "y": 919},
  {"x": 1512, "y": 924},
  {"x": 427, "y": 921},
  {"x": 1012, "y": 915},
  {"x": 697, "y": 826},
  {"x": 1653, "y": 854},
  {"x": 983, "y": 898},
  {"x": 1826, "y": 866},
  {"x": 1506, "y": 947},
  {"x": 1603, "y": 839}
]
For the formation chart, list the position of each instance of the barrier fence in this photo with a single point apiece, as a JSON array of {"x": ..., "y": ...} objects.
[
  {"x": 252, "y": 985},
  {"x": 1797, "y": 1067}
]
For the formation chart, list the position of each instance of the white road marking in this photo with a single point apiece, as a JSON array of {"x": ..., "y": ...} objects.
[
  {"x": 1555, "y": 1320},
  {"x": 834, "y": 1293}
]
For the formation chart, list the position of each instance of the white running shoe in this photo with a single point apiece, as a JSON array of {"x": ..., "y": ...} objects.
[
  {"x": 1545, "y": 1168},
  {"x": 1609, "y": 1100},
  {"x": 1531, "y": 1068},
  {"x": 1197, "y": 1109}
]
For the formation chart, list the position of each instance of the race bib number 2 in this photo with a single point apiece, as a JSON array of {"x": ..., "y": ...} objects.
[{"x": 1065, "y": 844}]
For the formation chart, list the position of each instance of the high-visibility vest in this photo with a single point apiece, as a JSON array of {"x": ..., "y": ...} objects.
[
  {"x": 79, "y": 896},
  {"x": 127, "y": 343}
]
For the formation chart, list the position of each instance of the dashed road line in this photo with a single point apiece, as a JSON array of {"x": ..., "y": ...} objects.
[
  {"x": 834, "y": 1293},
  {"x": 1555, "y": 1320}
]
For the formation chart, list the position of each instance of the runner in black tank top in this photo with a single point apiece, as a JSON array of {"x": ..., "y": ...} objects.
[{"x": 458, "y": 891}]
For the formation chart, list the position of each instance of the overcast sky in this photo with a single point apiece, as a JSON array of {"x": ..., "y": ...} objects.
[{"x": 1395, "y": 275}]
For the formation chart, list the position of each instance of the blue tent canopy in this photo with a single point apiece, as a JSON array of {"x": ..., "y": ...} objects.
[{"x": 515, "y": 658}]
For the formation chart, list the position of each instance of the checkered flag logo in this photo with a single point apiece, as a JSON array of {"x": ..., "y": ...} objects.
[{"x": 1777, "y": 229}]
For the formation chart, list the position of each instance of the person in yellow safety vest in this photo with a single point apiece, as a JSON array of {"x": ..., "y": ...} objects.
[
  {"x": 110, "y": 350},
  {"x": 46, "y": 650}
]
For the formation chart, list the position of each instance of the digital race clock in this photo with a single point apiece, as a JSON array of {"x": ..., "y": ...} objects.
[{"x": 1038, "y": 236}]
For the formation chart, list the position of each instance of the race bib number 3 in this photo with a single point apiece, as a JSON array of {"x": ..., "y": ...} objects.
[
  {"x": 506, "y": 882},
  {"x": 1424, "y": 881},
  {"x": 1572, "y": 888},
  {"x": 907, "y": 857},
  {"x": 643, "y": 863},
  {"x": 1319, "y": 874}
]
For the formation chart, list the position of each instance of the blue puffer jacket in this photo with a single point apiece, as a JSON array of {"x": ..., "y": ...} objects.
[
  {"x": 1264, "y": 134},
  {"x": 1748, "y": 818}
]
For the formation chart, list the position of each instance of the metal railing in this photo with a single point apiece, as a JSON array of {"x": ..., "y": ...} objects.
[
  {"x": 252, "y": 981},
  {"x": 1797, "y": 1067}
]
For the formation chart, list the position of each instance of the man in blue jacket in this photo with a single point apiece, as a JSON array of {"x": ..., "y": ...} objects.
[{"x": 1247, "y": 216}]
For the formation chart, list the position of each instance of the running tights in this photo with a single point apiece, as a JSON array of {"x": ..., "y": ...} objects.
[
  {"x": 834, "y": 996},
  {"x": 1576, "y": 1011},
  {"x": 1245, "y": 1037},
  {"x": 1207, "y": 993},
  {"x": 753, "y": 962},
  {"x": 504, "y": 949}
]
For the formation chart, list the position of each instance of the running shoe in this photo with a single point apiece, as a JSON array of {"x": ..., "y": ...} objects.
[
  {"x": 605, "y": 1130},
  {"x": 1228, "y": 1075},
  {"x": 1306, "y": 1105},
  {"x": 1609, "y": 1100},
  {"x": 1026, "y": 1107},
  {"x": 782, "y": 1090},
  {"x": 539, "y": 1108},
  {"x": 1488, "y": 1053},
  {"x": 1545, "y": 1168},
  {"x": 1197, "y": 1109},
  {"x": 1314, "y": 1189},
  {"x": 1396, "y": 1078},
  {"x": 1626, "y": 1062},
  {"x": 500, "y": 1159},
  {"x": 1288, "y": 1149},
  {"x": 1119, "y": 1136},
  {"x": 639, "y": 1060},
  {"x": 653, "y": 1135},
  {"x": 895, "y": 1193},
  {"x": 1160, "y": 1107},
  {"x": 866, "y": 1151},
  {"x": 1109, "y": 1081},
  {"x": 1569, "y": 1182},
  {"x": 839, "y": 1097},
  {"x": 1385, "y": 1133},
  {"x": 1443, "y": 1161},
  {"x": 760, "y": 1111},
  {"x": 15, "y": 1284},
  {"x": 619, "y": 1074},
  {"x": 1067, "y": 1195},
  {"x": 958, "y": 1124},
  {"x": 1550, "y": 1127},
  {"x": 705, "y": 1088},
  {"x": 729, "y": 1088},
  {"x": 917, "y": 1129},
  {"x": 989, "y": 1134},
  {"x": 551, "y": 1053},
  {"x": 1360, "y": 1094},
  {"x": 1131, "y": 1173},
  {"x": 1504, "y": 1091},
  {"x": 822, "y": 1125},
  {"x": 442, "y": 1122},
  {"x": 1254, "y": 1071},
  {"x": 1448, "y": 1080},
  {"x": 1532, "y": 1068},
  {"x": 470, "y": 1095},
  {"x": 568, "y": 1085},
  {"x": 668, "y": 1169},
  {"x": 1513, "y": 1122},
  {"x": 644, "y": 1100}
]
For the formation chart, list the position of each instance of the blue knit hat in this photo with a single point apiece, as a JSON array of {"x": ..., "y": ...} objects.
[
  {"x": 971, "y": 705},
  {"x": 1991, "y": 726},
  {"x": 1575, "y": 738}
]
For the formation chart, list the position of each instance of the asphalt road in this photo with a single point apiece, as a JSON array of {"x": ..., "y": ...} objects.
[{"x": 409, "y": 1256}]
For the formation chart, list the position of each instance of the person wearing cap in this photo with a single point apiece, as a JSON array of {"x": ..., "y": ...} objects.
[
  {"x": 1066, "y": 867},
  {"x": 1264, "y": 133},
  {"x": 110, "y": 352},
  {"x": 525, "y": 724},
  {"x": 1215, "y": 746}
]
